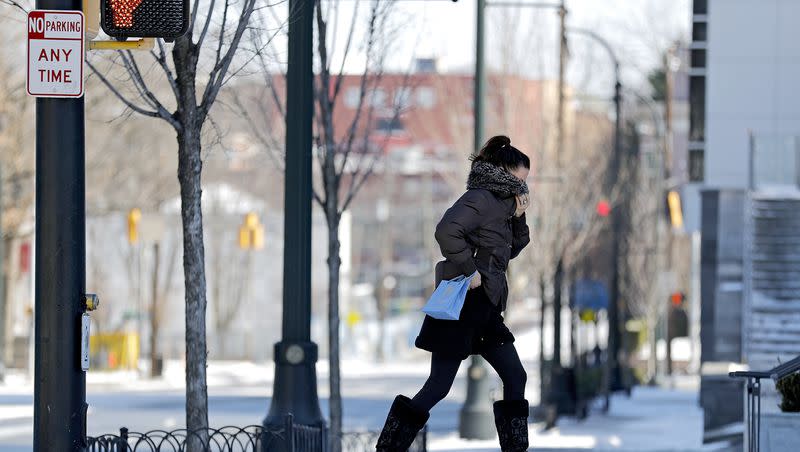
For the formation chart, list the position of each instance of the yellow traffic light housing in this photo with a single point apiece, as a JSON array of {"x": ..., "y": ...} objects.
[
  {"x": 675, "y": 210},
  {"x": 251, "y": 233},
  {"x": 134, "y": 216},
  {"x": 244, "y": 237}
]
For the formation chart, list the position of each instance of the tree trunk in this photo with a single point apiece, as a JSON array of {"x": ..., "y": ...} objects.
[
  {"x": 380, "y": 356},
  {"x": 558, "y": 283},
  {"x": 542, "y": 312},
  {"x": 652, "y": 362},
  {"x": 155, "y": 368},
  {"x": 334, "y": 264},
  {"x": 384, "y": 264},
  {"x": 189, "y": 175}
]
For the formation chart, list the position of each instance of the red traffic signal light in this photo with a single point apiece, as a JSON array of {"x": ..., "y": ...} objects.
[
  {"x": 603, "y": 208},
  {"x": 168, "y": 19},
  {"x": 677, "y": 298}
]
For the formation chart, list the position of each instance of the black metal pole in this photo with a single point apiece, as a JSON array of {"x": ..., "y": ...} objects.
[
  {"x": 295, "y": 388},
  {"x": 476, "y": 420},
  {"x": 59, "y": 391},
  {"x": 614, "y": 374}
]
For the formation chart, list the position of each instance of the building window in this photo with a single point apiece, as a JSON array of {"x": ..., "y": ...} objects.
[
  {"x": 351, "y": 97},
  {"x": 696, "y": 165},
  {"x": 698, "y": 58},
  {"x": 699, "y": 32},
  {"x": 378, "y": 98},
  {"x": 697, "y": 105},
  {"x": 426, "y": 97},
  {"x": 389, "y": 125},
  {"x": 700, "y": 7},
  {"x": 402, "y": 98}
]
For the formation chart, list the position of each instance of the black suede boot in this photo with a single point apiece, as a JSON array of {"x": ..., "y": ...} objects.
[
  {"x": 511, "y": 419},
  {"x": 402, "y": 425}
]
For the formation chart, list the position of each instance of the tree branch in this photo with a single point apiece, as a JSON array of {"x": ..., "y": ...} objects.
[
  {"x": 202, "y": 37},
  {"x": 221, "y": 68},
  {"x": 141, "y": 85},
  {"x": 161, "y": 59},
  {"x": 130, "y": 104}
]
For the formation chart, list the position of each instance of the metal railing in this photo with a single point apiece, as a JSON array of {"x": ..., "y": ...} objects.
[
  {"x": 753, "y": 389},
  {"x": 290, "y": 437}
]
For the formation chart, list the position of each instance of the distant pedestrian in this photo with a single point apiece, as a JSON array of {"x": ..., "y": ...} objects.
[{"x": 482, "y": 231}]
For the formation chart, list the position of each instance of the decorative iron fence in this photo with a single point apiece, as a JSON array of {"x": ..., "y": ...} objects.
[{"x": 254, "y": 438}]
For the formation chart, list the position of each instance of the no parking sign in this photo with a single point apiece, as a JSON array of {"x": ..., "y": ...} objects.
[{"x": 55, "y": 53}]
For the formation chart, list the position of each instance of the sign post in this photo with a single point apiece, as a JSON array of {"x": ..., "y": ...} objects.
[
  {"x": 55, "y": 76},
  {"x": 55, "y": 53}
]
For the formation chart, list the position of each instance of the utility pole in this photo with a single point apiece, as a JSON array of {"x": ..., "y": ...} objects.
[
  {"x": 295, "y": 387},
  {"x": 477, "y": 420},
  {"x": 557, "y": 389},
  {"x": 59, "y": 392}
]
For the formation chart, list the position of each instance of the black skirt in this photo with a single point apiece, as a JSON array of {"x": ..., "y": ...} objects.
[{"x": 480, "y": 328}]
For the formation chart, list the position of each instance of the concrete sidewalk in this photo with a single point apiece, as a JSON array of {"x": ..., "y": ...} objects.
[{"x": 652, "y": 420}]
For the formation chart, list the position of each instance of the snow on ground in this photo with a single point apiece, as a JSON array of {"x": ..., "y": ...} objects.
[{"x": 653, "y": 419}]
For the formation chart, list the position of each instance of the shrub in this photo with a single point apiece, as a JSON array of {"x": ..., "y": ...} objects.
[{"x": 789, "y": 387}]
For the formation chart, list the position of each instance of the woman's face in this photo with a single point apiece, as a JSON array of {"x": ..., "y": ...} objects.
[{"x": 520, "y": 172}]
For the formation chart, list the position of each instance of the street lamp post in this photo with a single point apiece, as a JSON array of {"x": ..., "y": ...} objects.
[
  {"x": 476, "y": 415},
  {"x": 295, "y": 387},
  {"x": 613, "y": 369},
  {"x": 475, "y": 421}
]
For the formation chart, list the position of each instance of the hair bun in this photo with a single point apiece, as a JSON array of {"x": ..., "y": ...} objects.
[
  {"x": 499, "y": 152},
  {"x": 497, "y": 142}
]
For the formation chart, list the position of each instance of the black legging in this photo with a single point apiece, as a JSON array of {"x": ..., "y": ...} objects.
[{"x": 503, "y": 359}]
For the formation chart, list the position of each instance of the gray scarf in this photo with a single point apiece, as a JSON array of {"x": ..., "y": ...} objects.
[{"x": 495, "y": 179}]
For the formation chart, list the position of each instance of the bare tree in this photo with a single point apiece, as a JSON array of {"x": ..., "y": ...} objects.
[
  {"x": 187, "y": 111},
  {"x": 348, "y": 150},
  {"x": 231, "y": 275},
  {"x": 346, "y": 160},
  {"x": 644, "y": 260},
  {"x": 16, "y": 164}
]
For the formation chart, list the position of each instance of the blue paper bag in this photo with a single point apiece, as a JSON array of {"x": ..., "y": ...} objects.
[{"x": 448, "y": 298}]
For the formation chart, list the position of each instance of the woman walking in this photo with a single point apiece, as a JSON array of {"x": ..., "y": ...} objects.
[{"x": 481, "y": 232}]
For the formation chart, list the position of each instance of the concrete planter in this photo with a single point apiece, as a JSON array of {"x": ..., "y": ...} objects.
[{"x": 780, "y": 432}]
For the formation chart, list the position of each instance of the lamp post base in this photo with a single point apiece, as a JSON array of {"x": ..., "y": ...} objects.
[
  {"x": 477, "y": 417},
  {"x": 295, "y": 388}
]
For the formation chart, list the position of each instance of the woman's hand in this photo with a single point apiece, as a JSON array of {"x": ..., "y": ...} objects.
[
  {"x": 475, "y": 282},
  {"x": 523, "y": 201}
]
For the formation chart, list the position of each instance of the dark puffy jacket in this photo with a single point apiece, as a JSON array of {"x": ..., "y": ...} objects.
[{"x": 480, "y": 232}]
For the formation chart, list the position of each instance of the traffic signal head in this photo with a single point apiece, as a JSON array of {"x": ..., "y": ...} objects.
[
  {"x": 677, "y": 298},
  {"x": 168, "y": 19},
  {"x": 603, "y": 208}
]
